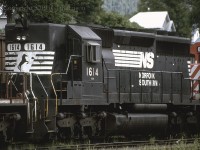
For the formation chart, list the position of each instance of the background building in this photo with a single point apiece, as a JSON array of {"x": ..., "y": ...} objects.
[{"x": 154, "y": 20}]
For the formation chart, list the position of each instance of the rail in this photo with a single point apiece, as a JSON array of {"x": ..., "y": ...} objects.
[
  {"x": 60, "y": 74},
  {"x": 54, "y": 89},
  {"x": 8, "y": 81},
  {"x": 33, "y": 95},
  {"x": 69, "y": 62},
  {"x": 181, "y": 143},
  {"x": 107, "y": 82},
  {"x": 12, "y": 80}
]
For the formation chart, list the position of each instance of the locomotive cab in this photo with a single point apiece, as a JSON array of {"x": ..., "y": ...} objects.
[{"x": 84, "y": 64}]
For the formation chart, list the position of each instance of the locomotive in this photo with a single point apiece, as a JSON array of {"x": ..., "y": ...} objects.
[{"x": 78, "y": 81}]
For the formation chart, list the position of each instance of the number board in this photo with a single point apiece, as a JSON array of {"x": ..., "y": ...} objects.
[
  {"x": 14, "y": 47},
  {"x": 34, "y": 46},
  {"x": 92, "y": 72}
]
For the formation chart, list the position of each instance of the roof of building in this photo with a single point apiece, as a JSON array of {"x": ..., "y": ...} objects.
[{"x": 154, "y": 20}]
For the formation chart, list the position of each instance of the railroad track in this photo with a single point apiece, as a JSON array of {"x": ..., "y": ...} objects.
[{"x": 113, "y": 145}]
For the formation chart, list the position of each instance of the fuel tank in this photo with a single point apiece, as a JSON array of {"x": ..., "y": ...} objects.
[
  {"x": 135, "y": 123},
  {"x": 150, "y": 108}
]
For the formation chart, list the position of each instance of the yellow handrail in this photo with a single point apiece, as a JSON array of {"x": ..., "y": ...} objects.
[{"x": 55, "y": 89}]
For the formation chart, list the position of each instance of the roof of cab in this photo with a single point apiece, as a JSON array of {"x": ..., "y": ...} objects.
[{"x": 85, "y": 32}]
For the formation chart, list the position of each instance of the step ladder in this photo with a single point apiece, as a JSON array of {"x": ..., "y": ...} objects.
[{"x": 61, "y": 89}]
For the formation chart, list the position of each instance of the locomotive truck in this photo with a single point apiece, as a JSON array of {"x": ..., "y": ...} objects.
[{"x": 77, "y": 81}]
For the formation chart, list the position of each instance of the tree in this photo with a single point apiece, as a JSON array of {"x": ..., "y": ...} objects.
[
  {"x": 179, "y": 12},
  {"x": 195, "y": 12},
  {"x": 8, "y": 7},
  {"x": 152, "y": 5},
  {"x": 39, "y": 10},
  {"x": 87, "y": 10},
  {"x": 113, "y": 19},
  {"x": 62, "y": 11},
  {"x": 53, "y": 11},
  {"x": 57, "y": 11}
]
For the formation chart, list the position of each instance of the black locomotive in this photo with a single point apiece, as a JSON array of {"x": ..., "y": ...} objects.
[{"x": 76, "y": 81}]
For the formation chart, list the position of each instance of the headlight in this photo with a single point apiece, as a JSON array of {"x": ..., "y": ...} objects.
[
  {"x": 23, "y": 38},
  {"x": 18, "y": 38}
]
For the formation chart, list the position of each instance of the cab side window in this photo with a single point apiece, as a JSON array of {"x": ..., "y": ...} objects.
[{"x": 93, "y": 52}]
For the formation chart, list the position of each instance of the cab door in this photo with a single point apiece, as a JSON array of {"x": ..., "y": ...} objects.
[{"x": 92, "y": 70}]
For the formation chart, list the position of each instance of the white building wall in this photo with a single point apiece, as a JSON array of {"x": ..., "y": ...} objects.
[{"x": 3, "y": 22}]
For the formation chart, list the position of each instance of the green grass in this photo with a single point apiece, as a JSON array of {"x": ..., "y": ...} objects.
[{"x": 179, "y": 145}]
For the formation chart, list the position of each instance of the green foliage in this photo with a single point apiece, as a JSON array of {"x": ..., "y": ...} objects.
[
  {"x": 56, "y": 11},
  {"x": 52, "y": 11},
  {"x": 184, "y": 13},
  {"x": 39, "y": 10},
  {"x": 112, "y": 19},
  {"x": 62, "y": 11},
  {"x": 195, "y": 13},
  {"x": 153, "y": 5},
  {"x": 123, "y": 7},
  {"x": 87, "y": 10},
  {"x": 178, "y": 10}
]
